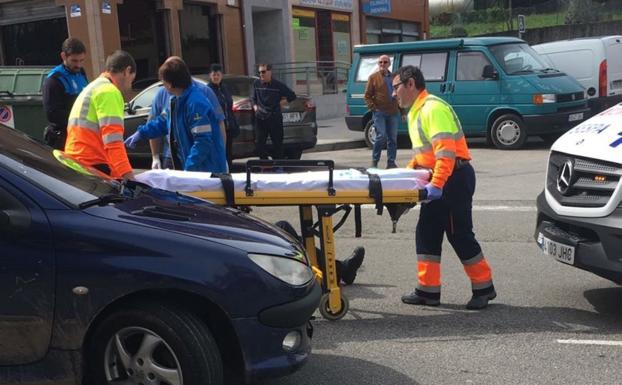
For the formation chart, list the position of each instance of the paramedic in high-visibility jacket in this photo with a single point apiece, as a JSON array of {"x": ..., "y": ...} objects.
[
  {"x": 439, "y": 145},
  {"x": 189, "y": 120},
  {"x": 95, "y": 126}
]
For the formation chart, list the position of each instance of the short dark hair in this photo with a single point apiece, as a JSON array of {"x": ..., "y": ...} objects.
[
  {"x": 268, "y": 66},
  {"x": 412, "y": 72},
  {"x": 73, "y": 46},
  {"x": 215, "y": 67},
  {"x": 175, "y": 71},
  {"x": 118, "y": 61}
]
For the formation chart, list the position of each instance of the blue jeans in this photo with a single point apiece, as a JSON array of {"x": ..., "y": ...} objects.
[{"x": 386, "y": 135}]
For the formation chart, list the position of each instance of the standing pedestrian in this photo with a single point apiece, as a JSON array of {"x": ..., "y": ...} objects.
[
  {"x": 385, "y": 112},
  {"x": 95, "y": 128},
  {"x": 226, "y": 103},
  {"x": 159, "y": 146},
  {"x": 439, "y": 144},
  {"x": 61, "y": 88},
  {"x": 189, "y": 120},
  {"x": 266, "y": 100}
]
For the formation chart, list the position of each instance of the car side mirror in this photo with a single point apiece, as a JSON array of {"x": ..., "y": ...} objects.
[
  {"x": 489, "y": 72},
  {"x": 129, "y": 109}
]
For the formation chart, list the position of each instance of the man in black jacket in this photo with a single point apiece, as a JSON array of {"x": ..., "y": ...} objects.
[
  {"x": 61, "y": 88},
  {"x": 226, "y": 103},
  {"x": 266, "y": 99}
]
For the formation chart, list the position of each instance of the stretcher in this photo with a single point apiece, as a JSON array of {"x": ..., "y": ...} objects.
[{"x": 330, "y": 191}]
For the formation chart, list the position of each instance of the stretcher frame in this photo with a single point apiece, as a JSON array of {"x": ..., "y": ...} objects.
[{"x": 333, "y": 304}]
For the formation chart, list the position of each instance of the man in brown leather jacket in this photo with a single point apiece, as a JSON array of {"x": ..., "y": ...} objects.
[{"x": 386, "y": 117}]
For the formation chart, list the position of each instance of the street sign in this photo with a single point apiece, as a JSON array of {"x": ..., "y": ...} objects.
[{"x": 521, "y": 24}]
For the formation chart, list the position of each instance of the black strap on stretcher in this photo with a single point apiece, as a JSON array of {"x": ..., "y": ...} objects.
[
  {"x": 227, "y": 186},
  {"x": 375, "y": 190}
]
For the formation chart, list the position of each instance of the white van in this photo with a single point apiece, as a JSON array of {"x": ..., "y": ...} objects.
[
  {"x": 579, "y": 218},
  {"x": 595, "y": 62}
]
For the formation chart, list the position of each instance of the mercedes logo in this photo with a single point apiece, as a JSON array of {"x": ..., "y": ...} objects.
[{"x": 565, "y": 177}]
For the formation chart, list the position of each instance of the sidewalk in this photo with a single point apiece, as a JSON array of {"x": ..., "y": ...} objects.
[{"x": 332, "y": 134}]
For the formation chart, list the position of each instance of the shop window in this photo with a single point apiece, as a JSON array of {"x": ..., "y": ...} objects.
[
  {"x": 34, "y": 43},
  {"x": 141, "y": 29},
  {"x": 199, "y": 37},
  {"x": 390, "y": 31}
]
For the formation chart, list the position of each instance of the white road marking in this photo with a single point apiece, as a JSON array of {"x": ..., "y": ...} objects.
[{"x": 591, "y": 342}]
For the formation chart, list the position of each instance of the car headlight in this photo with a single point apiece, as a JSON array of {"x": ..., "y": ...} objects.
[
  {"x": 544, "y": 98},
  {"x": 288, "y": 270}
]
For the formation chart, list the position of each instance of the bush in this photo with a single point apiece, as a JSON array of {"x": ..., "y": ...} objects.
[{"x": 458, "y": 31}]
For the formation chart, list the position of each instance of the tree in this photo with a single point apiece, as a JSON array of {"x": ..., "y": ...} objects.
[{"x": 580, "y": 11}]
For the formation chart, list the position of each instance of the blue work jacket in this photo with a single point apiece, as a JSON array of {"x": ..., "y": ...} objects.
[{"x": 195, "y": 126}]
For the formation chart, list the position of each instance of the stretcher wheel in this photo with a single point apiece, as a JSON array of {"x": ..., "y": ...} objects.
[{"x": 328, "y": 314}]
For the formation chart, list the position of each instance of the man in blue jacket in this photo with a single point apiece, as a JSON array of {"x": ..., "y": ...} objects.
[
  {"x": 190, "y": 121},
  {"x": 61, "y": 88}
]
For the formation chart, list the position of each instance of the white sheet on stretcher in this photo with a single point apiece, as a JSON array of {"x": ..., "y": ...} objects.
[{"x": 349, "y": 179}]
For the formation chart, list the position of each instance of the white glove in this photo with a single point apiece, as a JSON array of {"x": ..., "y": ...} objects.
[{"x": 155, "y": 162}]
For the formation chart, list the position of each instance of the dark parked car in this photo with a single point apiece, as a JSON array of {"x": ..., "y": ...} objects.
[
  {"x": 106, "y": 282},
  {"x": 299, "y": 123}
]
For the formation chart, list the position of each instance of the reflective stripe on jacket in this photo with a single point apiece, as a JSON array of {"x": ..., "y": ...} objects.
[
  {"x": 436, "y": 136},
  {"x": 95, "y": 127}
]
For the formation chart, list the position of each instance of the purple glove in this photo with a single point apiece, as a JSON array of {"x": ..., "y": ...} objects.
[
  {"x": 433, "y": 192},
  {"x": 133, "y": 139}
]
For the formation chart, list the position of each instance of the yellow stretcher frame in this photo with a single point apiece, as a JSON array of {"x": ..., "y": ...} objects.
[{"x": 333, "y": 304}]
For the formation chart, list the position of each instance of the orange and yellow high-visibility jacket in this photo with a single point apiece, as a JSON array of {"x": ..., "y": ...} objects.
[
  {"x": 95, "y": 127},
  {"x": 436, "y": 137}
]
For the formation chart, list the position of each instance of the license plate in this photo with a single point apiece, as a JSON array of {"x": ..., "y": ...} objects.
[
  {"x": 559, "y": 251},
  {"x": 575, "y": 117},
  {"x": 291, "y": 117}
]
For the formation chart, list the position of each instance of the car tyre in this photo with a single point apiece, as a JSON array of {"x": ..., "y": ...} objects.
[
  {"x": 151, "y": 342},
  {"x": 508, "y": 132},
  {"x": 370, "y": 133}
]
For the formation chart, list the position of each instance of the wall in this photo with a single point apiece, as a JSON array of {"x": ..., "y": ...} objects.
[
  {"x": 570, "y": 31},
  {"x": 406, "y": 10}
]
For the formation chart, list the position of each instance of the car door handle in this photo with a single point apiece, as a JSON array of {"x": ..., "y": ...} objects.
[
  {"x": 452, "y": 87},
  {"x": 443, "y": 87}
]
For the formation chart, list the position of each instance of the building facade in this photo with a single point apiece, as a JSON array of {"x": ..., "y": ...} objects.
[{"x": 237, "y": 33}]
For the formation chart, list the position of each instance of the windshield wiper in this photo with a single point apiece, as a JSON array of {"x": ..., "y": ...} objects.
[{"x": 103, "y": 200}]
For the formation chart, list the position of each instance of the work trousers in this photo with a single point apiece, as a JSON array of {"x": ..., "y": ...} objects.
[
  {"x": 273, "y": 127},
  {"x": 451, "y": 215}
]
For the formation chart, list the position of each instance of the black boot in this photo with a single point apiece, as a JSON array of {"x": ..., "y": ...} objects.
[
  {"x": 481, "y": 301},
  {"x": 415, "y": 299},
  {"x": 350, "y": 265}
]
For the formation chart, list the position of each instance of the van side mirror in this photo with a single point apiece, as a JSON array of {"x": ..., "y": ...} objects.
[{"x": 489, "y": 72}]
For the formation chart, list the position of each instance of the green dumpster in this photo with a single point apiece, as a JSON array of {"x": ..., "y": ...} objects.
[{"x": 21, "y": 99}]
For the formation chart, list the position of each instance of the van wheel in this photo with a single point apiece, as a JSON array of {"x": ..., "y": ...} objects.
[
  {"x": 153, "y": 343},
  {"x": 508, "y": 132},
  {"x": 370, "y": 133}
]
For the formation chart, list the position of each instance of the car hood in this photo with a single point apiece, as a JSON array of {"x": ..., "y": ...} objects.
[
  {"x": 186, "y": 215},
  {"x": 596, "y": 138},
  {"x": 554, "y": 83}
]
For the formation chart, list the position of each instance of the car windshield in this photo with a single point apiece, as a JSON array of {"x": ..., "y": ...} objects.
[
  {"x": 518, "y": 58},
  {"x": 61, "y": 176}
]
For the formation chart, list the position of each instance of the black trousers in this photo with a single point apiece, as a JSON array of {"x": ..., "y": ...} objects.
[
  {"x": 229, "y": 149},
  {"x": 273, "y": 126}
]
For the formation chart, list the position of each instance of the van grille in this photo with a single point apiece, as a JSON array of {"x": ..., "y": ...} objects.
[
  {"x": 562, "y": 98},
  {"x": 581, "y": 182}
]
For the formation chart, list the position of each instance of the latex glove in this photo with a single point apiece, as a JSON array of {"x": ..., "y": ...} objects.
[
  {"x": 433, "y": 192},
  {"x": 133, "y": 139},
  {"x": 156, "y": 164}
]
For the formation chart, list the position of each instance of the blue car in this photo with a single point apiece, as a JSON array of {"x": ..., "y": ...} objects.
[{"x": 103, "y": 282}]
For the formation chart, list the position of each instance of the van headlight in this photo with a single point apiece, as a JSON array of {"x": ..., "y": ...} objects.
[
  {"x": 288, "y": 270},
  {"x": 544, "y": 98}
]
